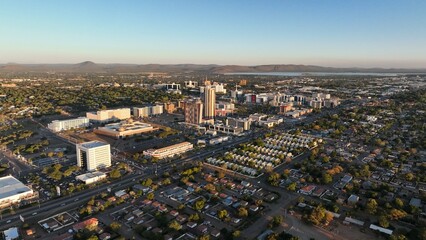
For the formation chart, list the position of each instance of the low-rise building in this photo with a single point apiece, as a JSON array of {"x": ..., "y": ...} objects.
[
  {"x": 169, "y": 151},
  {"x": 226, "y": 129},
  {"x": 13, "y": 191},
  {"x": 148, "y": 111},
  {"x": 125, "y": 129},
  {"x": 91, "y": 177},
  {"x": 238, "y": 122},
  {"x": 110, "y": 115},
  {"x": 63, "y": 125}
]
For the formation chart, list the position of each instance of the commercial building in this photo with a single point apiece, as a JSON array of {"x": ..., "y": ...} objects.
[
  {"x": 285, "y": 107},
  {"x": 111, "y": 115},
  {"x": 238, "y": 122},
  {"x": 191, "y": 84},
  {"x": 125, "y": 129},
  {"x": 226, "y": 129},
  {"x": 209, "y": 102},
  {"x": 148, "y": 111},
  {"x": 63, "y": 125},
  {"x": 93, "y": 155},
  {"x": 92, "y": 177},
  {"x": 193, "y": 109},
  {"x": 169, "y": 151},
  {"x": 224, "y": 108},
  {"x": 13, "y": 191}
]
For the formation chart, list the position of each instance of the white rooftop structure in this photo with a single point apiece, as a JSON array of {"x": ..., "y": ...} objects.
[
  {"x": 11, "y": 233},
  {"x": 91, "y": 177},
  {"x": 12, "y": 190}
]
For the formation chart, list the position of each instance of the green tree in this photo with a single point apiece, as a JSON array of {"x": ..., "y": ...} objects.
[
  {"x": 115, "y": 226},
  {"x": 292, "y": 187},
  {"x": 383, "y": 221},
  {"x": 371, "y": 206},
  {"x": 236, "y": 234},
  {"x": 242, "y": 212},
  {"x": 199, "y": 205},
  {"x": 150, "y": 196},
  {"x": 326, "y": 178},
  {"x": 222, "y": 214},
  {"x": 114, "y": 174},
  {"x": 175, "y": 225},
  {"x": 399, "y": 203}
]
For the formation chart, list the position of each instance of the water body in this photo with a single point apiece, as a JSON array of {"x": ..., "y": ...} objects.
[{"x": 307, "y": 74}]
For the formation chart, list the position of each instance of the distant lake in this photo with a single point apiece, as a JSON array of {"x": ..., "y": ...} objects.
[{"x": 307, "y": 74}]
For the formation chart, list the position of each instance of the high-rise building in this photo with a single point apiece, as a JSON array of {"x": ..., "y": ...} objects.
[
  {"x": 209, "y": 102},
  {"x": 93, "y": 155},
  {"x": 193, "y": 111}
]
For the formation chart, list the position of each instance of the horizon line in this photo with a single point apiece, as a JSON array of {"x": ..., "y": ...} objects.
[{"x": 206, "y": 64}]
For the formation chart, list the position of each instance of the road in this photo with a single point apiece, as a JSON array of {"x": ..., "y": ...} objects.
[{"x": 61, "y": 204}]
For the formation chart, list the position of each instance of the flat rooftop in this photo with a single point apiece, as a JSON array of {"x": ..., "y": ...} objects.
[
  {"x": 86, "y": 176},
  {"x": 93, "y": 144},
  {"x": 10, "y": 186},
  {"x": 125, "y": 126}
]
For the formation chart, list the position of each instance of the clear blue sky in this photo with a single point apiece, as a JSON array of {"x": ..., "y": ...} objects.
[{"x": 364, "y": 33}]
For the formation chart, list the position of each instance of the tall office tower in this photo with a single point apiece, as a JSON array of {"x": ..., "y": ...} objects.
[
  {"x": 193, "y": 111},
  {"x": 93, "y": 155},
  {"x": 209, "y": 102}
]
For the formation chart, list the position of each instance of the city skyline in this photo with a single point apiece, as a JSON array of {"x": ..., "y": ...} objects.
[{"x": 387, "y": 34}]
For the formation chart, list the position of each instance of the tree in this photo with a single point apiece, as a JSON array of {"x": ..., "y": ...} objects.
[
  {"x": 150, "y": 196},
  {"x": 319, "y": 215},
  {"x": 204, "y": 237},
  {"x": 175, "y": 225},
  {"x": 409, "y": 177},
  {"x": 222, "y": 214},
  {"x": 147, "y": 182},
  {"x": 242, "y": 212},
  {"x": 396, "y": 214},
  {"x": 236, "y": 234},
  {"x": 399, "y": 203},
  {"x": 371, "y": 206},
  {"x": 114, "y": 174},
  {"x": 383, "y": 221},
  {"x": 194, "y": 217},
  {"x": 115, "y": 226},
  {"x": 93, "y": 237},
  {"x": 199, "y": 205},
  {"x": 292, "y": 187},
  {"x": 275, "y": 221},
  {"x": 326, "y": 178}
]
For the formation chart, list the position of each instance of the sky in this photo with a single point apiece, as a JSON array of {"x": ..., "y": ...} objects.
[{"x": 339, "y": 33}]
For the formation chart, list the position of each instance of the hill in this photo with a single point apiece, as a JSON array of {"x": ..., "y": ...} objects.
[{"x": 91, "y": 67}]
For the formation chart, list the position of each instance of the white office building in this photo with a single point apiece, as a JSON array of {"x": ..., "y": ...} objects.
[
  {"x": 63, "y": 125},
  {"x": 148, "y": 111},
  {"x": 109, "y": 115},
  {"x": 93, "y": 155}
]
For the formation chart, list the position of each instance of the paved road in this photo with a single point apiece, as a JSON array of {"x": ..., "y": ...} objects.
[{"x": 61, "y": 204}]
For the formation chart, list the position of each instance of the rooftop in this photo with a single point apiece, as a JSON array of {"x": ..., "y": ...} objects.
[
  {"x": 86, "y": 176},
  {"x": 10, "y": 186},
  {"x": 93, "y": 144}
]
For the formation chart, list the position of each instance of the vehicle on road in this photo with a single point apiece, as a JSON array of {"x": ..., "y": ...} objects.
[{"x": 34, "y": 214}]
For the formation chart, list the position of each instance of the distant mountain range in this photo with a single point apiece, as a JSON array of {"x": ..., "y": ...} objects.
[{"x": 91, "y": 67}]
